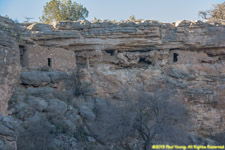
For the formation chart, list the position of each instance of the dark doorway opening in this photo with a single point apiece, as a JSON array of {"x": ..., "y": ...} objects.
[
  {"x": 49, "y": 62},
  {"x": 111, "y": 52},
  {"x": 143, "y": 60},
  {"x": 175, "y": 57}
]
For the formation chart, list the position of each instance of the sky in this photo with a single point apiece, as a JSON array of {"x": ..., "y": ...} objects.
[{"x": 161, "y": 10}]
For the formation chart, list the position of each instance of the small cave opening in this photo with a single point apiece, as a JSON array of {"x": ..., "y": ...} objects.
[
  {"x": 111, "y": 52},
  {"x": 143, "y": 60},
  {"x": 175, "y": 57},
  {"x": 22, "y": 51},
  {"x": 222, "y": 57},
  {"x": 49, "y": 62}
]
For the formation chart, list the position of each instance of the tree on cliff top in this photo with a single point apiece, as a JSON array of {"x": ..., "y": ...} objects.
[
  {"x": 58, "y": 10},
  {"x": 216, "y": 13}
]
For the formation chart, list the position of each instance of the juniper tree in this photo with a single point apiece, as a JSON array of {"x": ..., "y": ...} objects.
[{"x": 58, "y": 10}]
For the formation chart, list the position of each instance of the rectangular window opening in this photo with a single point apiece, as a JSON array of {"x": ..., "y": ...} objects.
[
  {"x": 49, "y": 62},
  {"x": 22, "y": 51},
  {"x": 175, "y": 57}
]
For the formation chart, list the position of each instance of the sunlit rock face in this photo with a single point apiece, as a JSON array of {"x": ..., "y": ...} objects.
[
  {"x": 186, "y": 56},
  {"x": 9, "y": 61}
]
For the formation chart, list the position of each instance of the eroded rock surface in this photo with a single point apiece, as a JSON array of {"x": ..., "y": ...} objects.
[
  {"x": 186, "y": 56},
  {"x": 8, "y": 134},
  {"x": 9, "y": 61},
  {"x": 128, "y": 36}
]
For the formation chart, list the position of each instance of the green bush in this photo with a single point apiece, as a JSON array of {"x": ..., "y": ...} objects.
[{"x": 58, "y": 10}]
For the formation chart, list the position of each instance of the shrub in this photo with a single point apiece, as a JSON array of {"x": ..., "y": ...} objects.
[
  {"x": 220, "y": 138},
  {"x": 58, "y": 10},
  {"x": 132, "y": 18},
  {"x": 79, "y": 87},
  {"x": 150, "y": 118},
  {"x": 37, "y": 136}
]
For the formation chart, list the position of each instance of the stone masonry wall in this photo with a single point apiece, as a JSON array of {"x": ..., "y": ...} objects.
[{"x": 36, "y": 57}]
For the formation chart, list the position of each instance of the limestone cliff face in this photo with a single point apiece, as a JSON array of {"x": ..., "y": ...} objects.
[
  {"x": 8, "y": 134},
  {"x": 9, "y": 79},
  {"x": 186, "y": 56},
  {"x": 129, "y": 36},
  {"x": 9, "y": 62}
]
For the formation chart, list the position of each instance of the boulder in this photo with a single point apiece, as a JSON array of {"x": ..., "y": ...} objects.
[
  {"x": 34, "y": 78},
  {"x": 87, "y": 113},
  {"x": 8, "y": 134},
  {"x": 37, "y": 103},
  {"x": 56, "y": 106}
]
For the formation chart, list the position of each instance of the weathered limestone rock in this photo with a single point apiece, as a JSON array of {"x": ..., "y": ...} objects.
[
  {"x": 7, "y": 134},
  {"x": 87, "y": 113},
  {"x": 147, "y": 35},
  {"x": 187, "y": 56},
  {"x": 37, "y": 78},
  {"x": 56, "y": 106},
  {"x": 9, "y": 61}
]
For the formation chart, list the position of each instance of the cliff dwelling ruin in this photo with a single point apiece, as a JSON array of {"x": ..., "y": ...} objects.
[{"x": 187, "y": 56}]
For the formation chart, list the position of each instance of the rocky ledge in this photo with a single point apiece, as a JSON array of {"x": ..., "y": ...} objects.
[{"x": 128, "y": 36}]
